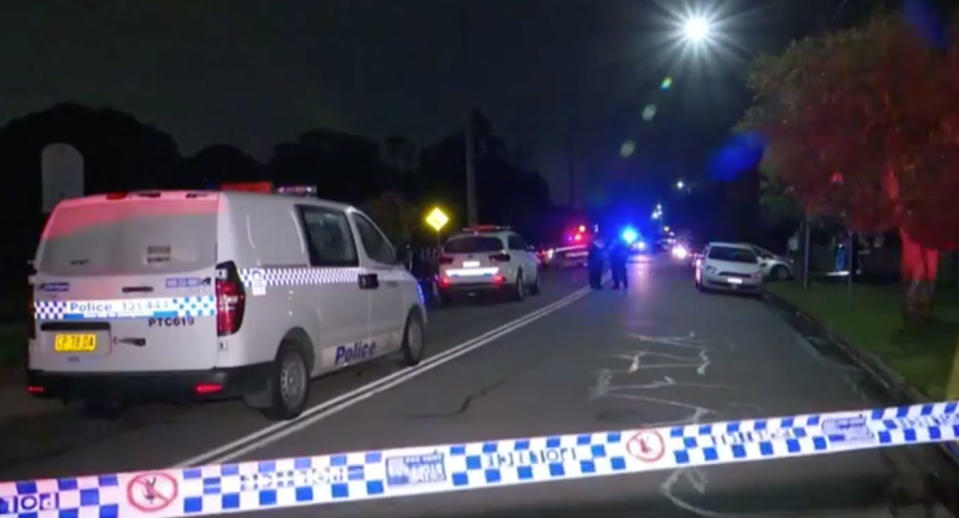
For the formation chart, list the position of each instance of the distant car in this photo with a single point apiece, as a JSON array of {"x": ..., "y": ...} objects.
[
  {"x": 774, "y": 266},
  {"x": 487, "y": 259},
  {"x": 571, "y": 255},
  {"x": 729, "y": 267}
]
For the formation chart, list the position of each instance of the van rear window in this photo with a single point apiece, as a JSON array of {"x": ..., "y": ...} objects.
[
  {"x": 472, "y": 245},
  {"x": 130, "y": 236}
]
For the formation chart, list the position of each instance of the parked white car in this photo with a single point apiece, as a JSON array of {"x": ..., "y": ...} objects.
[
  {"x": 774, "y": 266},
  {"x": 729, "y": 267},
  {"x": 175, "y": 294},
  {"x": 487, "y": 259}
]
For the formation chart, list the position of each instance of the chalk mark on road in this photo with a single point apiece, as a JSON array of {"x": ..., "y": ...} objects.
[{"x": 646, "y": 359}]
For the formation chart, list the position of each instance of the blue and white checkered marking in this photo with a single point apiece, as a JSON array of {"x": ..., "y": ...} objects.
[
  {"x": 271, "y": 277},
  {"x": 198, "y": 306},
  {"x": 299, "y": 276},
  {"x": 344, "y": 477}
]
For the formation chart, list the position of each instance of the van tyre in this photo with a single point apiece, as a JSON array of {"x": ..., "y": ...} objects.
[
  {"x": 780, "y": 273},
  {"x": 288, "y": 384},
  {"x": 519, "y": 289},
  {"x": 414, "y": 339},
  {"x": 534, "y": 288}
]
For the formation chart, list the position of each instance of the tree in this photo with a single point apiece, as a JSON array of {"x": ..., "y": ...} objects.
[
  {"x": 342, "y": 166},
  {"x": 863, "y": 124},
  {"x": 220, "y": 163},
  {"x": 119, "y": 153},
  {"x": 394, "y": 215}
]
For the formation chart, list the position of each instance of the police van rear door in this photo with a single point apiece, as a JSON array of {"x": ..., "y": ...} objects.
[{"x": 126, "y": 283}]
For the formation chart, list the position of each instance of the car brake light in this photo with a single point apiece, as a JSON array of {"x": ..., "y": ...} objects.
[
  {"x": 499, "y": 258},
  {"x": 116, "y": 195},
  {"x": 207, "y": 388},
  {"x": 445, "y": 281},
  {"x": 445, "y": 259},
  {"x": 230, "y": 299},
  {"x": 35, "y": 389},
  {"x": 499, "y": 279}
]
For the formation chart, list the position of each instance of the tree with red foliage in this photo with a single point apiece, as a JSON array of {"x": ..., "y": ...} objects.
[{"x": 864, "y": 124}]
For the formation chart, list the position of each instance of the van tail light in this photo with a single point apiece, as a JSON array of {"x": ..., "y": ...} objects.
[
  {"x": 35, "y": 389},
  {"x": 499, "y": 258},
  {"x": 202, "y": 389},
  {"x": 445, "y": 259},
  {"x": 230, "y": 299}
]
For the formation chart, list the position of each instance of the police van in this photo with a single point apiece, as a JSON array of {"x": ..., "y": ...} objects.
[{"x": 213, "y": 294}]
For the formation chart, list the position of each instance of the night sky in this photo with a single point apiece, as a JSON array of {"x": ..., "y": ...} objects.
[{"x": 255, "y": 73}]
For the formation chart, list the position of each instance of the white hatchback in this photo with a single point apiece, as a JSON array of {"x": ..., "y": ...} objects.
[
  {"x": 487, "y": 259},
  {"x": 203, "y": 295},
  {"x": 729, "y": 267}
]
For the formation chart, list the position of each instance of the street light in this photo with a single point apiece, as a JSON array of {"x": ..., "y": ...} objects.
[
  {"x": 696, "y": 29},
  {"x": 680, "y": 185}
]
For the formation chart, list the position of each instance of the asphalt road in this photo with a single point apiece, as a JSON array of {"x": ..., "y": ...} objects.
[{"x": 660, "y": 353}]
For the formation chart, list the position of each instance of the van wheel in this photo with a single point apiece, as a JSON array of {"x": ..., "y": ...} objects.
[
  {"x": 414, "y": 339},
  {"x": 519, "y": 290},
  {"x": 780, "y": 273},
  {"x": 289, "y": 383},
  {"x": 534, "y": 288}
]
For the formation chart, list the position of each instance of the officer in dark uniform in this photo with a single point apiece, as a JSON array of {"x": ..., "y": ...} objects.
[
  {"x": 618, "y": 256},
  {"x": 594, "y": 264}
]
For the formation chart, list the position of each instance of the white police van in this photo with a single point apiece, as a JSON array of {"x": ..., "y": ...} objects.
[{"x": 213, "y": 294}]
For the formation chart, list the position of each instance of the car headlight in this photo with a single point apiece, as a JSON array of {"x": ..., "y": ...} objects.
[{"x": 710, "y": 269}]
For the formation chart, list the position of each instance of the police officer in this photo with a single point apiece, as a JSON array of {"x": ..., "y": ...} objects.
[
  {"x": 594, "y": 264},
  {"x": 618, "y": 256}
]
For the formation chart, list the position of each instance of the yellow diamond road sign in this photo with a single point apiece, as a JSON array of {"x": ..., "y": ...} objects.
[{"x": 437, "y": 219}]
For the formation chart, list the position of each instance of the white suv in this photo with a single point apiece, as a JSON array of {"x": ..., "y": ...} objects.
[
  {"x": 730, "y": 267},
  {"x": 487, "y": 258},
  {"x": 210, "y": 294}
]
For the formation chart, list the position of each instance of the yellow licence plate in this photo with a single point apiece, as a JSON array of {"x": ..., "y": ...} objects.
[{"x": 75, "y": 343}]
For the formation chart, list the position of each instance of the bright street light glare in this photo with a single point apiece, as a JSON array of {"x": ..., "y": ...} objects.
[
  {"x": 696, "y": 29},
  {"x": 680, "y": 185}
]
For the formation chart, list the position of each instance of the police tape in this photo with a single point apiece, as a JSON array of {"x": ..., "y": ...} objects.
[{"x": 398, "y": 472}]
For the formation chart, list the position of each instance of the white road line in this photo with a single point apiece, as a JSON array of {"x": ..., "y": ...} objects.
[{"x": 332, "y": 406}]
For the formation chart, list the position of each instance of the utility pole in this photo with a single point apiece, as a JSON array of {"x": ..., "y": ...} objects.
[
  {"x": 572, "y": 166},
  {"x": 805, "y": 251},
  {"x": 471, "y": 209}
]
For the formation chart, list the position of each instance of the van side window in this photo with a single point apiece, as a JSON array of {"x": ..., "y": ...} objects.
[
  {"x": 375, "y": 244},
  {"x": 328, "y": 236}
]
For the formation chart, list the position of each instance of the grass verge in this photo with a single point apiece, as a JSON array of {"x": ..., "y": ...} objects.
[{"x": 873, "y": 321}]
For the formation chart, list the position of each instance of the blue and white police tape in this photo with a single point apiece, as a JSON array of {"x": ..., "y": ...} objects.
[
  {"x": 346, "y": 477},
  {"x": 156, "y": 307}
]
